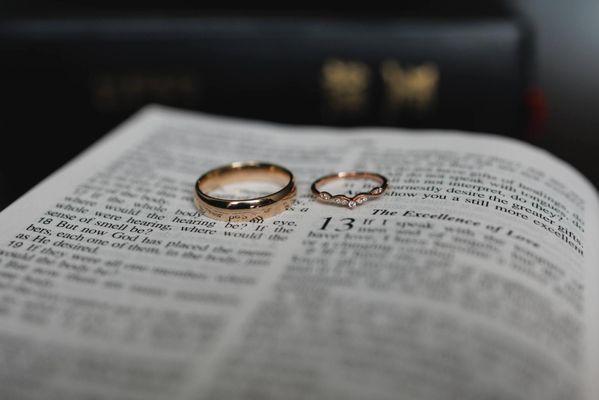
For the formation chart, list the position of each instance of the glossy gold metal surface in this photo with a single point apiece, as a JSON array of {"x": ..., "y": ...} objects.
[
  {"x": 346, "y": 201},
  {"x": 252, "y": 209}
]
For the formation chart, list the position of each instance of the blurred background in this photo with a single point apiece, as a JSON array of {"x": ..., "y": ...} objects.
[{"x": 70, "y": 72}]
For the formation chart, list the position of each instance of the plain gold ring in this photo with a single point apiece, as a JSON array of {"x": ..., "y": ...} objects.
[{"x": 252, "y": 209}]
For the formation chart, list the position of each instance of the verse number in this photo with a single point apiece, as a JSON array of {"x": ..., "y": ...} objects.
[{"x": 344, "y": 224}]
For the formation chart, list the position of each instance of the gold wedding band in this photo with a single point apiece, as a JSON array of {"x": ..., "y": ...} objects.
[
  {"x": 253, "y": 209},
  {"x": 343, "y": 200}
]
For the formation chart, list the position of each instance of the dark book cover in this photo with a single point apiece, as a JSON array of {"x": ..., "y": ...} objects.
[{"x": 71, "y": 76}]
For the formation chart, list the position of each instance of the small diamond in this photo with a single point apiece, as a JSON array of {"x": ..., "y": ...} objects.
[
  {"x": 352, "y": 204},
  {"x": 325, "y": 196},
  {"x": 337, "y": 201}
]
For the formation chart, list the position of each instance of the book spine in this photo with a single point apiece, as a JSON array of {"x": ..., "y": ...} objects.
[{"x": 463, "y": 74}]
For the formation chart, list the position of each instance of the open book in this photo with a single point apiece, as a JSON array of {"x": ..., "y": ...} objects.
[{"x": 475, "y": 276}]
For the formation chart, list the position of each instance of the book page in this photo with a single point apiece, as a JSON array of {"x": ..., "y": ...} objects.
[{"x": 473, "y": 277}]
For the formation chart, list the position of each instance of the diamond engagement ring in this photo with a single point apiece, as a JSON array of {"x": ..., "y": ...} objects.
[{"x": 347, "y": 201}]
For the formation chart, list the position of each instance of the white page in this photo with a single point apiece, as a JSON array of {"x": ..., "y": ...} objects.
[{"x": 473, "y": 295}]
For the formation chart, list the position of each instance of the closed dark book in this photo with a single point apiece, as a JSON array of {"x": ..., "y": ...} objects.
[{"x": 71, "y": 78}]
